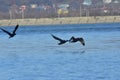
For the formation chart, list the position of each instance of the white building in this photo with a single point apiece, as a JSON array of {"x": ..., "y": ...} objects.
[
  {"x": 107, "y": 1},
  {"x": 87, "y": 2}
]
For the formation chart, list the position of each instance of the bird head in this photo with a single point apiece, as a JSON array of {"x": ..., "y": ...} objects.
[{"x": 82, "y": 41}]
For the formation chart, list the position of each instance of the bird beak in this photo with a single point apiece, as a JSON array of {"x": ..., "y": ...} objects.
[{"x": 83, "y": 44}]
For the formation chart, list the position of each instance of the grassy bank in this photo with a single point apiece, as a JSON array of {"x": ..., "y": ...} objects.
[{"x": 63, "y": 20}]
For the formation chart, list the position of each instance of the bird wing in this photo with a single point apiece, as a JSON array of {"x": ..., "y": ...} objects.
[
  {"x": 6, "y": 31},
  {"x": 57, "y": 38},
  {"x": 15, "y": 28}
]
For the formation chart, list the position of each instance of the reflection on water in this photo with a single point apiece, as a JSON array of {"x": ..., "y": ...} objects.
[{"x": 34, "y": 55}]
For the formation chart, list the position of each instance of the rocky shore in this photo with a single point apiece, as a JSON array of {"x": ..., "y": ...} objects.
[{"x": 63, "y": 20}]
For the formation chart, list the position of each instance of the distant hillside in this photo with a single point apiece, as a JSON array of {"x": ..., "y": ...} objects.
[
  {"x": 52, "y": 8},
  {"x": 5, "y": 4}
]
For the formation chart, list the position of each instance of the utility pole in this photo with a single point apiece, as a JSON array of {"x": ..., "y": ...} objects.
[
  {"x": 22, "y": 14},
  {"x": 54, "y": 7},
  {"x": 10, "y": 14},
  {"x": 80, "y": 10}
]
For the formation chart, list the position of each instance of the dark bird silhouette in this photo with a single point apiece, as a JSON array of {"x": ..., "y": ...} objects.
[
  {"x": 61, "y": 40},
  {"x": 73, "y": 39},
  {"x": 11, "y": 34}
]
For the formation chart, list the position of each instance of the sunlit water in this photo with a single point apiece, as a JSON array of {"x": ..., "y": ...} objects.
[{"x": 34, "y": 55}]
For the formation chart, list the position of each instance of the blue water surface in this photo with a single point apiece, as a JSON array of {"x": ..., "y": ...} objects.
[{"x": 34, "y": 55}]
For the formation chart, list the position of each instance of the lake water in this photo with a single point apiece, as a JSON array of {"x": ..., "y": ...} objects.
[{"x": 34, "y": 55}]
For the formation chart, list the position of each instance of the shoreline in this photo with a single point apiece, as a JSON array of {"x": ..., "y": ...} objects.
[{"x": 62, "y": 20}]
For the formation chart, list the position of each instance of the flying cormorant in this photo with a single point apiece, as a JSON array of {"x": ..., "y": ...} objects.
[
  {"x": 61, "y": 40},
  {"x": 11, "y": 34},
  {"x": 73, "y": 39}
]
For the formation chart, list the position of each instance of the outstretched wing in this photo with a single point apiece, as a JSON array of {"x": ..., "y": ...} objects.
[
  {"x": 6, "y": 31},
  {"x": 57, "y": 38},
  {"x": 15, "y": 29}
]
